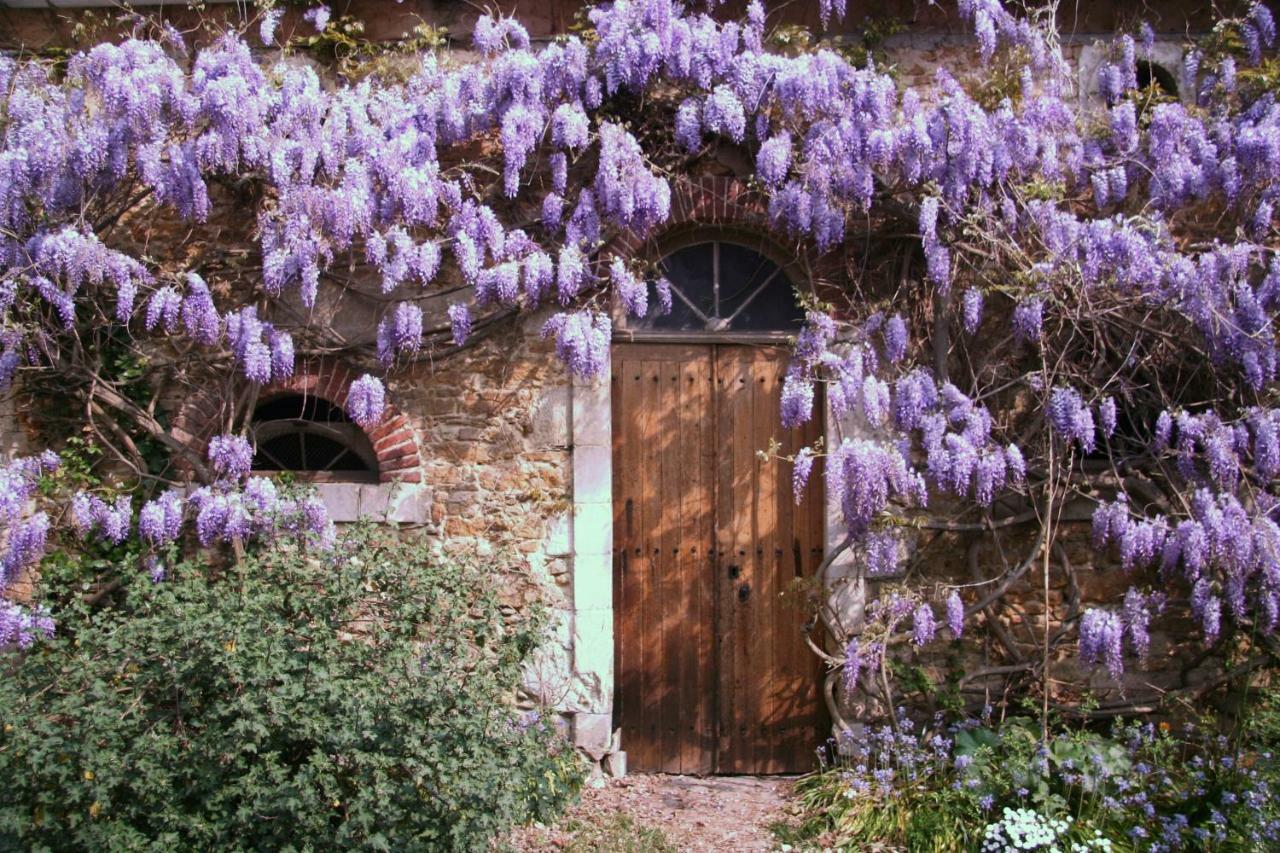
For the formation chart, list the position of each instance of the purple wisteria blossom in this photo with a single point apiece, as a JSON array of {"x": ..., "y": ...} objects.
[
  {"x": 955, "y": 615},
  {"x": 460, "y": 323},
  {"x": 923, "y": 626},
  {"x": 231, "y": 456},
  {"x": 802, "y": 466},
  {"x": 366, "y": 401},
  {"x": 160, "y": 520},
  {"x": 1101, "y": 640},
  {"x": 318, "y": 17},
  {"x": 582, "y": 341}
]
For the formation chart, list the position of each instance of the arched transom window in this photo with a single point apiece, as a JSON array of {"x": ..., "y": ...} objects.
[
  {"x": 312, "y": 436},
  {"x": 721, "y": 286}
]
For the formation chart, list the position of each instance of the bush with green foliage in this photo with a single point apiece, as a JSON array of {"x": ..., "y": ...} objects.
[{"x": 359, "y": 699}]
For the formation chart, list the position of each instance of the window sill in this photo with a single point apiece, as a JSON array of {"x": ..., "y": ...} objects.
[{"x": 385, "y": 502}]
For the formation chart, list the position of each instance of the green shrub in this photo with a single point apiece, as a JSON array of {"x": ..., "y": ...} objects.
[{"x": 286, "y": 703}]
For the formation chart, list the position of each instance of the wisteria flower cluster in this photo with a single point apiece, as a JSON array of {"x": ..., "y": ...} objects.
[
  {"x": 23, "y": 536},
  {"x": 877, "y": 474},
  {"x": 235, "y": 508},
  {"x": 886, "y": 616}
]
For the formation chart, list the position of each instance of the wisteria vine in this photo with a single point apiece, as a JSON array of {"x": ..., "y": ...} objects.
[{"x": 1053, "y": 222}]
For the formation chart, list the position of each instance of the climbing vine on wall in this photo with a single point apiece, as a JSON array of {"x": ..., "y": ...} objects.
[{"x": 1082, "y": 314}]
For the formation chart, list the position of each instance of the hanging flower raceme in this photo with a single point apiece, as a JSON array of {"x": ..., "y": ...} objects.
[
  {"x": 400, "y": 334},
  {"x": 230, "y": 456},
  {"x": 955, "y": 615},
  {"x": 160, "y": 521},
  {"x": 1102, "y": 640},
  {"x": 22, "y": 533},
  {"x": 633, "y": 292},
  {"x": 366, "y": 401},
  {"x": 110, "y": 521},
  {"x": 1071, "y": 419},
  {"x": 460, "y": 323},
  {"x": 264, "y": 353},
  {"x": 582, "y": 341},
  {"x": 802, "y": 468}
]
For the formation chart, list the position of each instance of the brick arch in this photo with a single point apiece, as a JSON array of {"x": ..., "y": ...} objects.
[
  {"x": 708, "y": 200},
  {"x": 395, "y": 443},
  {"x": 721, "y": 201}
]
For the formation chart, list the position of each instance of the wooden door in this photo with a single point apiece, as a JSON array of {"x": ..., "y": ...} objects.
[{"x": 712, "y": 671}]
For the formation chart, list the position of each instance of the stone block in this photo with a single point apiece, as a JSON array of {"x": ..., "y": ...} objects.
[
  {"x": 559, "y": 540},
  {"x": 615, "y": 765},
  {"x": 549, "y": 426},
  {"x": 593, "y": 654},
  {"x": 591, "y": 413},
  {"x": 593, "y": 529},
  {"x": 342, "y": 500},
  {"x": 410, "y": 505},
  {"x": 592, "y": 734},
  {"x": 592, "y": 474},
  {"x": 592, "y": 582}
]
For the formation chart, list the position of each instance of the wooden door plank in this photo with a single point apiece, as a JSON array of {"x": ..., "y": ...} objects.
[
  {"x": 745, "y": 597},
  {"x": 769, "y": 621},
  {"x": 673, "y": 614},
  {"x": 649, "y": 635},
  {"x": 625, "y": 553},
  {"x": 727, "y": 560},
  {"x": 696, "y": 688}
]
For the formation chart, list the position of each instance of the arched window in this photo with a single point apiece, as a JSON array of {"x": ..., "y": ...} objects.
[
  {"x": 311, "y": 436},
  {"x": 721, "y": 286}
]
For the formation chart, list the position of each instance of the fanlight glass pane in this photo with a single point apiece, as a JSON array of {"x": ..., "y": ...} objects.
[
  {"x": 755, "y": 294},
  {"x": 690, "y": 272},
  {"x": 719, "y": 286},
  {"x": 298, "y": 407}
]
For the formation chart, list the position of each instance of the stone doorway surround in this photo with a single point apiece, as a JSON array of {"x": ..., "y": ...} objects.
[
  {"x": 590, "y": 537},
  {"x": 696, "y": 204}
]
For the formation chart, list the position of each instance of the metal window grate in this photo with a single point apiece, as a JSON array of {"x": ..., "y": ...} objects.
[{"x": 311, "y": 436}]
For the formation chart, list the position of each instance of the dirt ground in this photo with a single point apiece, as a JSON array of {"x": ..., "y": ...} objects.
[{"x": 657, "y": 812}]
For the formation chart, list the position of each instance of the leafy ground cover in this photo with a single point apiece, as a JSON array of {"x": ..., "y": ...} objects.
[{"x": 997, "y": 786}]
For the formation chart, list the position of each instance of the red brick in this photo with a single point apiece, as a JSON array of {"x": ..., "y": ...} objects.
[
  {"x": 409, "y": 452},
  {"x": 400, "y": 463},
  {"x": 389, "y": 424},
  {"x": 396, "y": 451},
  {"x": 302, "y": 383},
  {"x": 390, "y": 441}
]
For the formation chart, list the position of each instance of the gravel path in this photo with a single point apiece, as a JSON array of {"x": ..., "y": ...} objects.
[{"x": 715, "y": 813}]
